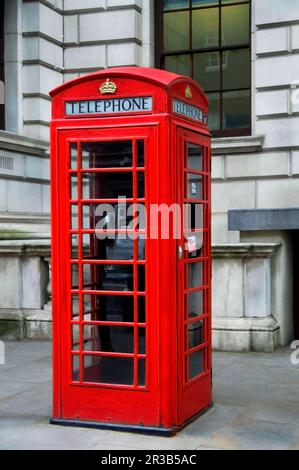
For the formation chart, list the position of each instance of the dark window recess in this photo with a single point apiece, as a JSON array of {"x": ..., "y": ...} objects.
[
  {"x": 107, "y": 154},
  {"x": 209, "y": 40},
  {"x": 2, "y": 109},
  {"x": 110, "y": 370}
]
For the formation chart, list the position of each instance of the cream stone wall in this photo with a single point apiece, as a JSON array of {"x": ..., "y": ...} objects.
[
  {"x": 48, "y": 42},
  {"x": 268, "y": 176}
]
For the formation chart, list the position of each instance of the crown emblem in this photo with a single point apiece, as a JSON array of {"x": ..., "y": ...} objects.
[
  {"x": 108, "y": 87},
  {"x": 188, "y": 92}
]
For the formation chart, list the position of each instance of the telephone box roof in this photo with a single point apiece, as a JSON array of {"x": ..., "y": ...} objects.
[{"x": 161, "y": 78}]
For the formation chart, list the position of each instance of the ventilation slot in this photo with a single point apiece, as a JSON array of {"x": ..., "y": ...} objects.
[{"x": 6, "y": 163}]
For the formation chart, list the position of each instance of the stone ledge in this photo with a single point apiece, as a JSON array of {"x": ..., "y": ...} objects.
[
  {"x": 12, "y": 324},
  {"x": 246, "y": 334},
  {"x": 245, "y": 250},
  {"x": 20, "y": 235},
  {"x": 18, "y": 218},
  {"x": 20, "y": 143},
  {"x": 21, "y": 324},
  {"x": 38, "y": 324},
  {"x": 26, "y": 247},
  {"x": 231, "y": 145}
]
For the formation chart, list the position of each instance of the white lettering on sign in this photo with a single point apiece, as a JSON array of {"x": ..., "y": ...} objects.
[
  {"x": 188, "y": 110},
  {"x": 112, "y": 106}
]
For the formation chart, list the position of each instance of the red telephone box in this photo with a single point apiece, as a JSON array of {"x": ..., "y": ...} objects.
[{"x": 131, "y": 294}]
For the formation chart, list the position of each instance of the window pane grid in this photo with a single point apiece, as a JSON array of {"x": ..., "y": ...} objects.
[
  {"x": 91, "y": 328},
  {"x": 213, "y": 4},
  {"x": 196, "y": 288},
  {"x": 230, "y": 114}
]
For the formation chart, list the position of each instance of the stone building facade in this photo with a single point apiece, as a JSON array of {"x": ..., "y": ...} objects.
[{"x": 255, "y": 174}]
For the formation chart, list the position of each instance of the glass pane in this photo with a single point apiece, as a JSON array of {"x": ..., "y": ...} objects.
[
  {"x": 214, "y": 110},
  {"x": 73, "y": 152},
  {"x": 107, "y": 154},
  {"x": 180, "y": 64},
  {"x": 119, "y": 248},
  {"x": 193, "y": 217},
  {"x": 140, "y": 182},
  {"x": 74, "y": 217},
  {"x": 74, "y": 246},
  {"x": 195, "y": 334},
  {"x": 196, "y": 363},
  {"x": 114, "y": 247},
  {"x": 111, "y": 370},
  {"x": 141, "y": 309},
  {"x": 141, "y": 278},
  {"x": 112, "y": 308},
  {"x": 194, "y": 245},
  {"x": 90, "y": 248},
  {"x": 108, "y": 277},
  {"x": 194, "y": 186},
  {"x": 235, "y": 25},
  {"x": 204, "y": 3},
  {"x": 141, "y": 247},
  {"x": 75, "y": 305},
  {"x": 75, "y": 337},
  {"x": 107, "y": 185},
  {"x": 76, "y": 368},
  {"x": 176, "y": 31},
  {"x": 236, "y": 109},
  {"x": 194, "y": 157},
  {"x": 90, "y": 307},
  {"x": 234, "y": 1},
  {"x": 141, "y": 372},
  {"x": 236, "y": 69},
  {"x": 90, "y": 277},
  {"x": 140, "y": 153},
  {"x": 106, "y": 216},
  {"x": 195, "y": 304},
  {"x": 109, "y": 338},
  {"x": 74, "y": 187},
  {"x": 205, "y": 28},
  {"x": 207, "y": 70},
  {"x": 175, "y": 4},
  {"x": 141, "y": 341},
  {"x": 195, "y": 274},
  {"x": 75, "y": 276}
]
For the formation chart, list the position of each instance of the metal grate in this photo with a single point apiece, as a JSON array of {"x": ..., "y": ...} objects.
[{"x": 6, "y": 163}]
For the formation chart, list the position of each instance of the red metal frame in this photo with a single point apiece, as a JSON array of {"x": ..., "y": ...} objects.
[
  {"x": 168, "y": 399},
  {"x": 194, "y": 393}
]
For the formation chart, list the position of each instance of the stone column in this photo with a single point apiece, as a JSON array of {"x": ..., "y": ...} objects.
[{"x": 242, "y": 309}]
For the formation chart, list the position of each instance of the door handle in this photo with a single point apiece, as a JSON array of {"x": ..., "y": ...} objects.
[{"x": 180, "y": 252}]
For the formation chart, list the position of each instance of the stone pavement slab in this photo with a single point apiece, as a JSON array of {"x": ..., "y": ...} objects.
[
  {"x": 255, "y": 435},
  {"x": 256, "y": 406}
]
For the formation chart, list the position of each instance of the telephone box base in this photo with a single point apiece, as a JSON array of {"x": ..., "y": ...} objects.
[
  {"x": 158, "y": 431},
  {"x": 167, "y": 432}
]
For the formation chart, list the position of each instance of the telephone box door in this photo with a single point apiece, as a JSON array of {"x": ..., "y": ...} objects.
[
  {"x": 107, "y": 320},
  {"x": 194, "y": 273}
]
